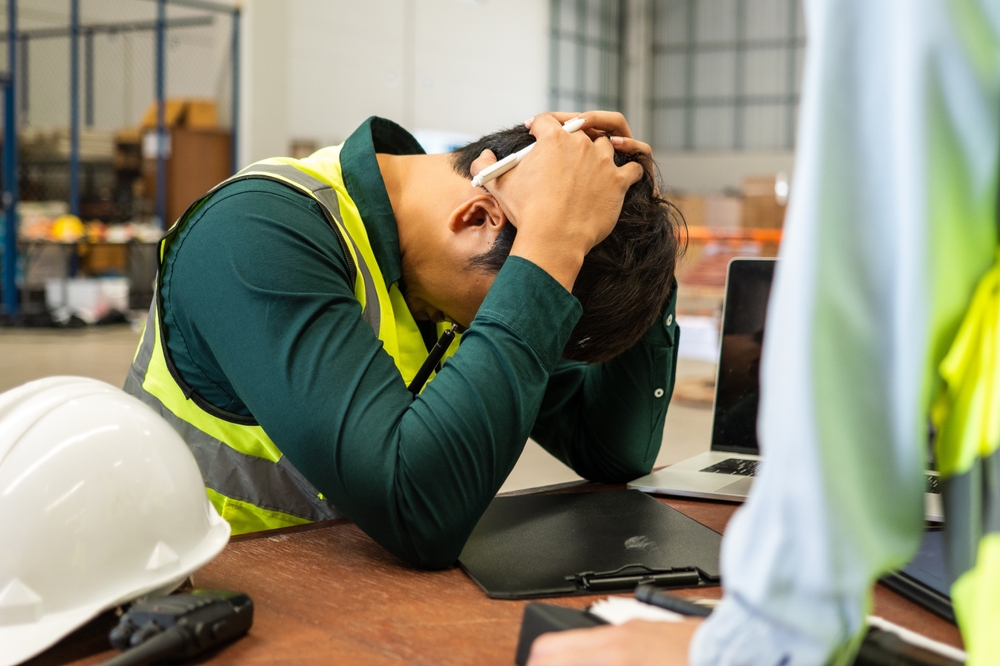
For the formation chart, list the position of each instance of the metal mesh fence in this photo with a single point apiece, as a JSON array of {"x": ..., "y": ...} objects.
[
  {"x": 585, "y": 59},
  {"x": 726, "y": 73},
  {"x": 116, "y": 69}
]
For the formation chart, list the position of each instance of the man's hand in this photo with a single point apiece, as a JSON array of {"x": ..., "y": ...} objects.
[
  {"x": 564, "y": 197},
  {"x": 604, "y": 123},
  {"x": 635, "y": 643}
]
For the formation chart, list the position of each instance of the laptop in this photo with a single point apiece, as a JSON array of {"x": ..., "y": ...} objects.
[{"x": 727, "y": 470}]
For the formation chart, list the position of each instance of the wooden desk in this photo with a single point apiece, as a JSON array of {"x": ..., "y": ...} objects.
[{"x": 326, "y": 593}]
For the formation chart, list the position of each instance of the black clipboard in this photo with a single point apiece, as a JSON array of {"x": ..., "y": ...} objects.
[{"x": 587, "y": 543}]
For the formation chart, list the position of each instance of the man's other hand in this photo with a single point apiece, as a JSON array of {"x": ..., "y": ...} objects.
[
  {"x": 635, "y": 643},
  {"x": 564, "y": 197}
]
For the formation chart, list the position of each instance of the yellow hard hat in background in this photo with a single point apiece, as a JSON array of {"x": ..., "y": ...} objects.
[{"x": 67, "y": 228}]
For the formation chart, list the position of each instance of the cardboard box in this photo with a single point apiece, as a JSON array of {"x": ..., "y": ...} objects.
[
  {"x": 201, "y": 114},
  {"x": 692, "y": 207},
  {"x": 172, "y": 114},
  {"x": 716, "y": 211},
  {"x": 104, "y": 259},
  {"x": 184, "y": 112},
  {"x": 764, "y": 201},
  {"x": 722, "y": 212},
  {"x": 197, "y": 161}
]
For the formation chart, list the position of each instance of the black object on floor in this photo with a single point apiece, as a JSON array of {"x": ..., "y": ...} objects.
[
  {"x": 587, "y": 543},
  {"x": 180, "y": 626}
]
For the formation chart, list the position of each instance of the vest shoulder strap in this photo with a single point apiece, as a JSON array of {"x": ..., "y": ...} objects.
[{"x": 327, "y": 197}]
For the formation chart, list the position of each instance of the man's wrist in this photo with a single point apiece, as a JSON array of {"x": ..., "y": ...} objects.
[
  {"x": 561, "y": 260},
  {"x": 526, "y": 300}
]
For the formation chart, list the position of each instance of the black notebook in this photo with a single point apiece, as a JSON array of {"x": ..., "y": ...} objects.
[{"x": 587, "y": 543}]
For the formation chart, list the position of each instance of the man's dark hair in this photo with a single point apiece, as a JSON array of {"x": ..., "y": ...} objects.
[{"x": 626, "y": 279}]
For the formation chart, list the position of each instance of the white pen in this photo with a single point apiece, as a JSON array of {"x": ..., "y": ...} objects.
[{"x": 512, "y": 160}]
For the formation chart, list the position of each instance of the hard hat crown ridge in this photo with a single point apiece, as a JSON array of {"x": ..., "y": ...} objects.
[{"x": 101, "y": 502}]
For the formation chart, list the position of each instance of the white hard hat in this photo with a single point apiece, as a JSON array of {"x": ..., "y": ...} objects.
[{"x": 101, "y": 502}]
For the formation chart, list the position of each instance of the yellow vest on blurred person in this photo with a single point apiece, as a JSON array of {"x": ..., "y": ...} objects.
[{"x": 967, "y": 416}]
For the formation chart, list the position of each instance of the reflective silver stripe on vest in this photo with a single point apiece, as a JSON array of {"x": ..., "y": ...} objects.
[
  {"x": 327, "y": 196},
  {"x": 971, "y": 511},
  {"x": 258, "y": 481}
]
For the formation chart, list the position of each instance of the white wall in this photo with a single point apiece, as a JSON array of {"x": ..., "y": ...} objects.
[
  {"x": 707, "y": 173},
  {"x": 427, "y": 64},
  {"x": 264, "y": 102},
  {"x": 124, "y": 64}
]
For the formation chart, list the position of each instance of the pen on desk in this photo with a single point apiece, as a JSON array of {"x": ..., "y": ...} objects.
[
  {"x": 435, "y": 356},
  {"x": 654, "y": 596},
  {"x": 512, "y": 160}
]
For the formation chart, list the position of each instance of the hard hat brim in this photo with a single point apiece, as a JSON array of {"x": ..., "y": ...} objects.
[{"x": 28, "y": 639}]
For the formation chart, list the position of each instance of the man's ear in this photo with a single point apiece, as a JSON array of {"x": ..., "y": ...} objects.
[{"x": 480, "y": 210}]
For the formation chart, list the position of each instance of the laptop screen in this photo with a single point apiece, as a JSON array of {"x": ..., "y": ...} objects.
[{"x": 737, "y": 394}]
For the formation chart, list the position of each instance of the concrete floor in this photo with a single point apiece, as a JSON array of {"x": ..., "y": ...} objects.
[{"x": 106, "y": 352}]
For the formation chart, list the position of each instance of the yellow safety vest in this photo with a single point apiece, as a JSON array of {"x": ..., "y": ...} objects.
[
  {"x": 249, "y": 481},
  {"x": 966, "y": 413}
]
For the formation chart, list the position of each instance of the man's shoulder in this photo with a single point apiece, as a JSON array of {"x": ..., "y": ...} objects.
[
  {"x": 241, "y": 211},
  {"x": 244, "y": 218},
  {"x": 258, "y": 195}
]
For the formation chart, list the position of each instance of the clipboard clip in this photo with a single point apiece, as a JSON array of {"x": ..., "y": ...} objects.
[{"x": 631, "y": 575}]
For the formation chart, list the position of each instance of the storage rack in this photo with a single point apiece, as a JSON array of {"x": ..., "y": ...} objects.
[{"x": 17, "y": 73}]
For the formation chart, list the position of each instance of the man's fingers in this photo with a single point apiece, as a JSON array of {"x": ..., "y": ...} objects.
[
  {"x": 606, "y": 122},
  {"x": 569, "y": 648},
  {"x": 632, "y": 172},
  {"x": 485, "y": 159},
  {"x": 598, "y": 124},
  {"x": 631, "y": 146},
  {"x": 545, "y": 124},
  {"x": 604, "y": 145}
]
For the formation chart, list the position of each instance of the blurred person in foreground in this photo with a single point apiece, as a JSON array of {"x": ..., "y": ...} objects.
[{"x": 883, "y": 318}]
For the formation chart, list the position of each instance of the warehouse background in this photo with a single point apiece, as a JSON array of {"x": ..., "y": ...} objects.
[
  {"x": 712, "y": 85},
  {"x": 712, "y": 76}
]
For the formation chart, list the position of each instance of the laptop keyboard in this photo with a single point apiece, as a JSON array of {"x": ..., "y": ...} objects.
[
  {"x": 737, "y": 466},
  {"x": 741, "y": 467}
]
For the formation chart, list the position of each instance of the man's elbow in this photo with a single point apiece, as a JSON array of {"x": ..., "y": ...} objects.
[
  {"x": 619, "y": 470},
  {"x": 437, "y": 559},
  {"x": 430, "y": 549}
]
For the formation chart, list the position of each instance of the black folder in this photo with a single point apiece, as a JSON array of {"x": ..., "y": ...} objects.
[{"x": 587, "y": 543}]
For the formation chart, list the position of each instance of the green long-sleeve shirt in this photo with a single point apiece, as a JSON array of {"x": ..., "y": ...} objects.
[{"x": 260, "y": 319}]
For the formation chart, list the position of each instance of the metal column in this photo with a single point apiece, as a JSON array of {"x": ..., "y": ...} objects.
[
  {"x": 88, "y": 78},
  {"x": 10, "y": 300},
  {"x": 23, "y": 99},
  {"x": 161, "y": 110},
  {"x": 74, "y": 107}
]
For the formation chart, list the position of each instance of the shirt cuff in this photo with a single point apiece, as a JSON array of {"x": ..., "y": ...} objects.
[
  {"x": 529, "y": 302},
  {"x": 733, "y": 635}
]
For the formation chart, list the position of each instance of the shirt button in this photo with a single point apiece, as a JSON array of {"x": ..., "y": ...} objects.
[
  {"x": 658, "y": 393},
  {"x": 669, "y": 320}
]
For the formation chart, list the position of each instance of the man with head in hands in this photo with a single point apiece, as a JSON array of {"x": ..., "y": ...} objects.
[{"x": 296, "y": 302}]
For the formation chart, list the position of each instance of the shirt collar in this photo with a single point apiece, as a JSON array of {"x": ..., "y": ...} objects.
[{"x": 365, "y": 186}]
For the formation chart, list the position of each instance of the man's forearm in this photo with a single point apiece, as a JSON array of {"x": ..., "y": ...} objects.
[{"x": 418, "y": 479}]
